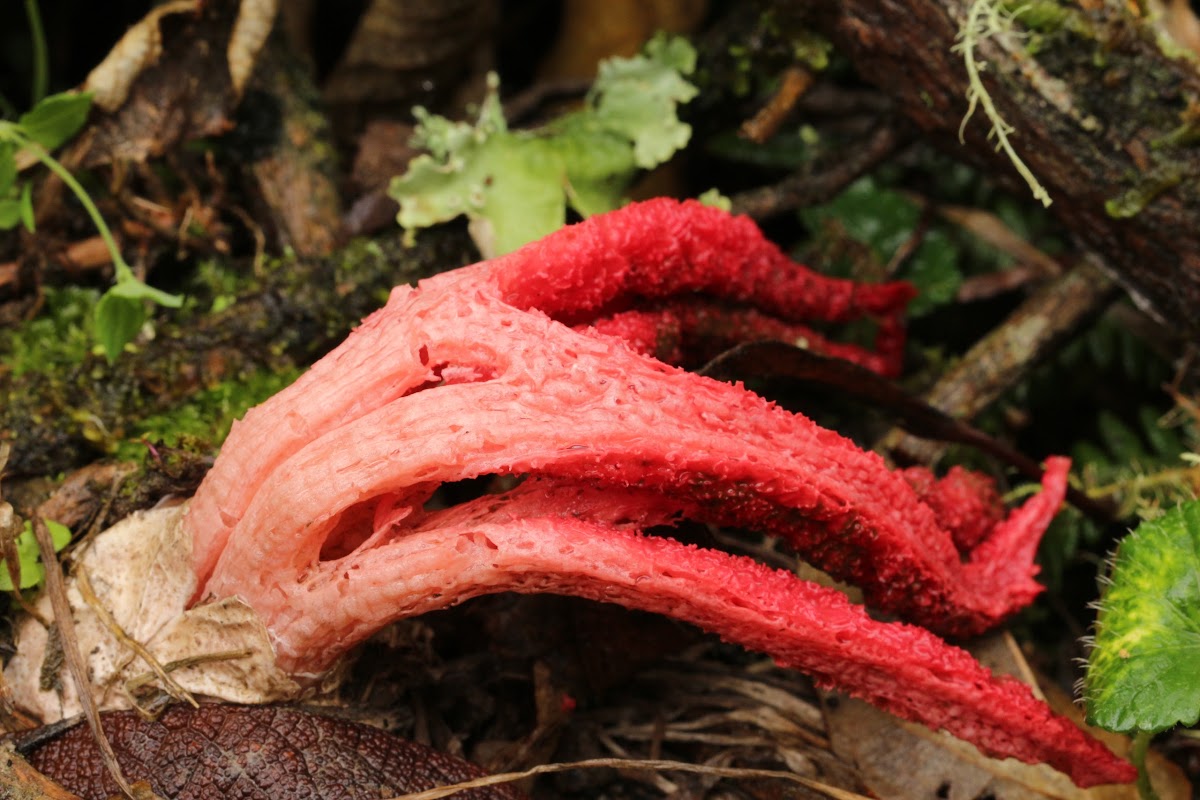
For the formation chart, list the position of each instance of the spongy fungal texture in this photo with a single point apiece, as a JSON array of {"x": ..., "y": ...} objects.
[{"x": 315, "y": 512}]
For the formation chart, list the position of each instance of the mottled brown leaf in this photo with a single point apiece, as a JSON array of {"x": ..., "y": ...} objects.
[
  {"x": 227, "y": 752},
  {"x": 157, "y": 95}
]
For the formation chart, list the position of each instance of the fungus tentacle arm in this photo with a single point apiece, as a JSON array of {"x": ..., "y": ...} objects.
[
  {"x": 560, "y": 402},
  {"x": 649, "y": 250},
  {"x": 690, "y": 333},
  {"x": 314, "y": 512},
  {"x": 662, "y": 247},
  {"x": 901, "y": 668}
]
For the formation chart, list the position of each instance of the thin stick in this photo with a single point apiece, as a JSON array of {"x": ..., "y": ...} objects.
[
  {"x": 821, "y": 182},
  {"x": 57, "y": 591},
  {"x": 794, "y": 82},
  {"x": 171, "y": 686},
  {"x": 627, "y": 763}
]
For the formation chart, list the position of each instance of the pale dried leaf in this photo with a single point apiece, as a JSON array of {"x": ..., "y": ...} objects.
[
  {"x": 254, "y": 22},
  {"x": 900, "y": 760},
  {"x": 141, "y": 572}
]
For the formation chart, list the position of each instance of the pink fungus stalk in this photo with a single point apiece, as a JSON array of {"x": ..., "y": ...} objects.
[{"x": 314, "y": 512}]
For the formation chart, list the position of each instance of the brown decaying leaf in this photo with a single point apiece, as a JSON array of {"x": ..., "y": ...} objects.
[
  {"x": 140, "y": 47},
  {"x": 596, "y": 29},
  {"x": 226, "y": 752},
  {"x": 149, "y": 85},
  {"x": 406, "y": 52}
]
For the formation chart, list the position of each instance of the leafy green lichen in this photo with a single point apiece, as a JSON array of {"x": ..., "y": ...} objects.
[{"x": 515, "y": 185}]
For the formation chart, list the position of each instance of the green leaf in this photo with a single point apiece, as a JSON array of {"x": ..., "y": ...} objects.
[
  {"x": 10, "y": 213},
  {"x": 1122, "y": 442},
  {"x": 1164, "y": 441},
  {"x": 714, "y": 198},
  {"x": 881, "y": 218},
  {"x": 118, "y": 319},
  {"x": 56, "y": 118},
  {"x": 933, "y": 269},
  {"x": 32, "y": 571},
  {"x": 133, "y": 289},
  {"x": 1141, "y": 674}
]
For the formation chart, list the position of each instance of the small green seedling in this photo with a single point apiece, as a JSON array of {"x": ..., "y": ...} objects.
[
  {"x": 515, "y": 186},
  {"x": 1142, "y": 670},
  {"x": 55, "y": 119},
  {"x": 32, "y": 570}
]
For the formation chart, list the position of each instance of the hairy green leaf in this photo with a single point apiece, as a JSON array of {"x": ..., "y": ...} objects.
[
  {"x": 56, "y": 118},
  {"x": 1141, "y": 674}
]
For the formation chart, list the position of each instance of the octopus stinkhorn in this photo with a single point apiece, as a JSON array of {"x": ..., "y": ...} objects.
[{"x": 541, "y": 364}]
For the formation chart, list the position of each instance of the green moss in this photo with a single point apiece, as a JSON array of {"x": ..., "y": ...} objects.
[
  {"x": 1137, "y": 197},
  {"x": 58, "y": 337},
  {"x": 203, "y": 421}
]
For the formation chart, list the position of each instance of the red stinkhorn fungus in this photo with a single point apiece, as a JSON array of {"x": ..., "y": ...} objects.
[{"x": 314, "y": 512}]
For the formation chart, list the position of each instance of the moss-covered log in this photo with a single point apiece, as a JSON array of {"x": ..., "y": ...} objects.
[
  {"x": 1107, "y": 121},
  {"x": 60, "y": 418}
]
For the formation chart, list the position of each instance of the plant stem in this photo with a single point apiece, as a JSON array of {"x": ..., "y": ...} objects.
[
  {"x": 123, "y": 271},
  {"x": 1141, "y": 745},
  {"x": 41, "y": 60}
]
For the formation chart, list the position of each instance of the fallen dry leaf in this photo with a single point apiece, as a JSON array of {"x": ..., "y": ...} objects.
[
  {"x": 150, "y": 88},
  {"x": 227, "y": 752},
  {"x": 141, "y": 572},
  {"x": 406, "y": 52}
]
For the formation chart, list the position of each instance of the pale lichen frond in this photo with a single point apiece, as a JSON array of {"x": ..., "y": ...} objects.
[{"x": 986, "y": 19}]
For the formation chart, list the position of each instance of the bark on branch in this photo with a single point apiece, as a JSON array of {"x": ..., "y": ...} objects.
[{"x": 1103, "y": 117}]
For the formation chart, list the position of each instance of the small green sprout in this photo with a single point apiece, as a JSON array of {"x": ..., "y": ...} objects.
[
  {"x": 32, "y": 570},
  {"x": 55, "y": 119}
]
